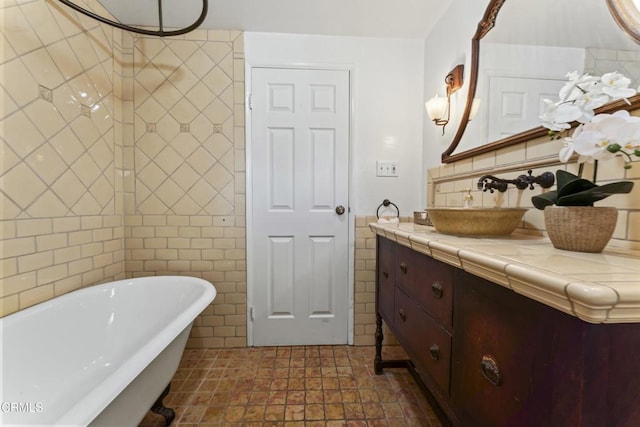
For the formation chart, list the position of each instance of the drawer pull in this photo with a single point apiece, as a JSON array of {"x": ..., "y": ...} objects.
[
  {"x": 402, "y": 315},
  {"x": 436, "y": 288},
  {"x": 435, "y": 352},
  {"x": 403, "y": 268},
  {"x": 490, "y": 370},
  {"x": 385, "y": 274}
]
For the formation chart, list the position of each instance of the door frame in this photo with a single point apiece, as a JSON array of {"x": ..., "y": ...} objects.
[{"x": 248, "y": 68}]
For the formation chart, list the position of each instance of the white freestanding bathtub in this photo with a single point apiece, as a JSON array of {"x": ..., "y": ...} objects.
[{"x": 101, "y": 355}]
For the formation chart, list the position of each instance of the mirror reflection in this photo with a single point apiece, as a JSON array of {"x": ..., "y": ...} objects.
[{"x": 527, "y": 55}]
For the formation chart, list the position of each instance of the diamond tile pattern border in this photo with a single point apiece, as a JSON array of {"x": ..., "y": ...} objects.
[{"x": 184, "y": 91}]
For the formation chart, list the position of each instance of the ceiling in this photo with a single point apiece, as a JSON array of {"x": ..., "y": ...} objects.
[{"x": 366, "y": 18}]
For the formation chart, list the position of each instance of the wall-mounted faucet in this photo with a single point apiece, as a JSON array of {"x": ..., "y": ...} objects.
[{"x": 491, "y": 183}]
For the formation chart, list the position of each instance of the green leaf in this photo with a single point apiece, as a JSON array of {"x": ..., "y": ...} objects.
[
  {"x": 575, "y": 191},
  {"x": 575, "y": 186},
  {"x": 545, "y": 199},
  {"x": 563, "y": 178},
  {"x": 589, "y": 196}
]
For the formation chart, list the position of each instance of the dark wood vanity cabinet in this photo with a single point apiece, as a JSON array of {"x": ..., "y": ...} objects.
[{"x": 492, "y": 357}]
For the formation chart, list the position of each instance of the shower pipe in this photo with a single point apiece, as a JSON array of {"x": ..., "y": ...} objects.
[{"x": 160, "y": 32}]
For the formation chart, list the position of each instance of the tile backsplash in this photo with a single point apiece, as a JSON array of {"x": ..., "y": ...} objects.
[{"x": 447, "y": 184}]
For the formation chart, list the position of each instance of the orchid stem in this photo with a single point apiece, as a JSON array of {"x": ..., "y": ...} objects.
[
  {"x": 628, "y": 159},
  {"x": 580, "y": 169},
  {"x": 595, "y": 170}
]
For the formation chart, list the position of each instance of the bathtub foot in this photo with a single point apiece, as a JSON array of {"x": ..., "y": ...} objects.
[{"x": 159, "y": 408}]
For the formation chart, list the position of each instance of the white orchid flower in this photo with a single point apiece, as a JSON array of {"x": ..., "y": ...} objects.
[
  {"x": 577, "y": 86},
  {"x": 557, "y": 117},
  {"x": 623, "y": 128},
  {"x": 592, "y": 139},
  {"x": 579, "y": 144},
  {"x": 548, "y": 116},
  {"x": 597, "y": 134},
  {"x": 616, "y": 85},
  {"x": 581, "y": 95},
  {"x": 573, "y": 75},
  {"x": 566, "y": 151},
  {"x": 592, "y": 100},
  {"x": 571, "y": 112}
]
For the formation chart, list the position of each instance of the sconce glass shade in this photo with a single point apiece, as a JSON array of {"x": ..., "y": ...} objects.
[
  {"x": 475, "y": 106},
  {"x": 437, "y": 108}
]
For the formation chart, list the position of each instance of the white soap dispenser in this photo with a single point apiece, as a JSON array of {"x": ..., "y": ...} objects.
[{"x": 468, "y": 199}]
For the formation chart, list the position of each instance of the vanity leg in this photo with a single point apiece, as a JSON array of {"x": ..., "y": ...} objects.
[
  {"x": 159, "y": 408},
  {"x": 377, "y": 361}
]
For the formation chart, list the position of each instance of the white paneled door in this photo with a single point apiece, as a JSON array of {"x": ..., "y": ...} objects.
[{"x": 299, "y": 160}]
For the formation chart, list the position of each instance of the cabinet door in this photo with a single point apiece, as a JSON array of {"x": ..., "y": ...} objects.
[
  {"x": 426, "y": 343},
  {"x": 429, "y": 281},
  {"x": 385, "y": 278},
  {"x": 500, "y": 356}
]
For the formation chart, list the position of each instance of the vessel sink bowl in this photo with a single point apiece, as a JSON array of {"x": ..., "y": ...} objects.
[{"x": 476, "y": 221}]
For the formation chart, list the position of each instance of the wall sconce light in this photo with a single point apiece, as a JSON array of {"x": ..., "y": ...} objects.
[{"x": 439, "y": 108}]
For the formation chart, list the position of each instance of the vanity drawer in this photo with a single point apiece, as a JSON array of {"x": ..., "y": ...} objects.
[
  {"x": 501, "y": 367},
  {"x": 427, "y": 343},
  {"x": 427, "y": 280},
  {"x": 385, "y": 281}
]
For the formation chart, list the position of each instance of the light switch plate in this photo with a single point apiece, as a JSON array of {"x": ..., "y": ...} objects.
[{"x": 387, "y": 168}]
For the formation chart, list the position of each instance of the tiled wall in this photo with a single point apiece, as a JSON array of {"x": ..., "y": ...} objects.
[
  {"x": 184, "y": 177},
  {"x": 447, "y": 183},
  {"x": 365, "y": 285},
  {"x": 61, "y": 224}
]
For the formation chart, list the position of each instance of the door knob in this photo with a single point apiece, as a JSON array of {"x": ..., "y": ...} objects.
[{"x": 340, "y": 209}]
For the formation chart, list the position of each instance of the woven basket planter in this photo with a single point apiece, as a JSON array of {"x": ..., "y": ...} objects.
[{"x": 580, "y": 228}]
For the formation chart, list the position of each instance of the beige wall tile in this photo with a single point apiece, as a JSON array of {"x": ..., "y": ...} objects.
[
  {"x": 35, "y": 261},
  {"x": 49, "y": 135},
  {"x": 35, "y": 295},
  {"x": 484, "y": 161},
  {"x": 510, "y": 155},
  {"x": 9, "y": 304},
  {"x": 51, "y": 241},
  {"x": 15, "y": 284}
]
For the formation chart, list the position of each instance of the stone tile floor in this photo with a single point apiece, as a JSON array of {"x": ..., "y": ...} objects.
[{"x": 293, "y": 386}]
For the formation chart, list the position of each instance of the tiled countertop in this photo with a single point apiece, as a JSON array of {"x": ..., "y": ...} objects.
[{"x": 597, "y": 288}]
